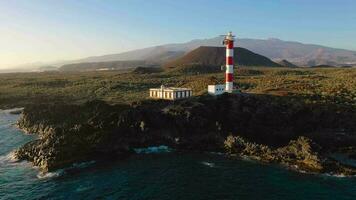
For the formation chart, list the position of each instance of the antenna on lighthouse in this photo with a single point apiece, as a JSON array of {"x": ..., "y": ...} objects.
[{"x": 228, "y": 36}]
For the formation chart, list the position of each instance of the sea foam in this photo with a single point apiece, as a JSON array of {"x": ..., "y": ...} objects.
[
  {"x": 157, "y": 149},
  {"x": 47, "y": 175},
  {"x": 209, "y": 164},
  {"x": 61, "y": 172},
  {"x": 9, "y": 158}
]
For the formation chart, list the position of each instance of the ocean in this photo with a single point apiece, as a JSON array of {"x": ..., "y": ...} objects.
[{"x": 159, "y": 173}]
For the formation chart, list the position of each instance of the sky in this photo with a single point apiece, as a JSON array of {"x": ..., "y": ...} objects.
[{"x": 50, "y": 30}]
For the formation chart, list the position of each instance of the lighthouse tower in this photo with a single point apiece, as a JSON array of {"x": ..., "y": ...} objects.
[
  {"x": 229, "y": 43},
  {"x": 228, "y": 87}
]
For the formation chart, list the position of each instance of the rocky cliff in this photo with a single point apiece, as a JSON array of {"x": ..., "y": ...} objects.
[{"x": 96, "y": 130}]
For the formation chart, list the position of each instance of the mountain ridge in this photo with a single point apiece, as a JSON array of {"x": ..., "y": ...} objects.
[
  {"x": 298, "y": 53},
  {"x": 275, "y": 49}
]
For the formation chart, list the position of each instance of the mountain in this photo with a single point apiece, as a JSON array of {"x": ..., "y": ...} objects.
[
  {"x": 102, "y": 66},
  {"x": 158, "y": 54},
  {"x": 215, "y": 56},
  {"x": 200, "y": 59},
  {"x": 286, "y": 63},
  {"x": 299, "y": 53},
  {"x": 295, "y": 52},
  {"x": 275, "y": 49}
]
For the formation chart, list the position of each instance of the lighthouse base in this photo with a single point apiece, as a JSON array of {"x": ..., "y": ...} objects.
[
  {"x": 220, "y": 89},
  {"x": 216, "y": 89}
]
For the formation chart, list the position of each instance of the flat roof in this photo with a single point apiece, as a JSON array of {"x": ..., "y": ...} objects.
[
  {"x": 171, "y": 89},
  {"x": 219, "y": 85}
]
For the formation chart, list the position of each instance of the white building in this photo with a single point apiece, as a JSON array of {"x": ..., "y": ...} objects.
[
  {"x": 170, "y": 93},
  {"x": 216, "y": 89}
]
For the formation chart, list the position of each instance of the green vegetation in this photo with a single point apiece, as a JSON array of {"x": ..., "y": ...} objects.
[{"x": 335, "y": 86}]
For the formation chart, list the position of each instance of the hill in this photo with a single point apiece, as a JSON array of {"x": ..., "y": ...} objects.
[
  {"x": 215, "y": 56},
  {"x": 114, "y": 65},
  {"x": 322, "y": 66},
  {"x": 146, "y": 70},
  {"x": 286, "y": 63}
]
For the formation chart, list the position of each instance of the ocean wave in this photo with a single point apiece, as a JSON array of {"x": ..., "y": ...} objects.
[
  {"x": 80, "y": 165},
  {"x": 83, "y": 188},
  {"x": 217, "y": 153},
  {"x": 9, "y": 158},
  {"x": 338, "y": 175},
  {"x": 155, "y": 149},
  {"x": 47, "y": 175},
  {"x": 334, "y": 175},
  {"x": 61, "y": 172},
  {"x": 12, "y": 111},
  {"x": 209, "y": 164}
]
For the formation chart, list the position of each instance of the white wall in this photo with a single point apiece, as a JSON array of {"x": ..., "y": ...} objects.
[{"x": 216, "y": 89}]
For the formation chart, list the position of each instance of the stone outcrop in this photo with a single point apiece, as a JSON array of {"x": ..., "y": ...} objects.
[{"x": 300, "y": 154}]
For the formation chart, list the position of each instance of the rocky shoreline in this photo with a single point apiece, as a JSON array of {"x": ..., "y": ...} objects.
[
  {"x": 301, "y": 154},
  {"x": 291, "y": 133}
]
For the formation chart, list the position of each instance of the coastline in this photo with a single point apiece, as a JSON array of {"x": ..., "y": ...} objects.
[{"x": 113, "y": 132}]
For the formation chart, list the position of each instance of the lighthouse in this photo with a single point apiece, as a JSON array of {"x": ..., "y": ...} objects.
[{"x": 229, "y": 74}]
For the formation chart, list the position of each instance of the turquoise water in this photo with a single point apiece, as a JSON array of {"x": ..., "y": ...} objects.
[{"x": 160, "y": 176}]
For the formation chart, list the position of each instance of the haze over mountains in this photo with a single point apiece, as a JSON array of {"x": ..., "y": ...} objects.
[
  {"x": 294, "y": 53},
  {"x": 109, "y": 65},
  {"x": 275, "y": 49}
]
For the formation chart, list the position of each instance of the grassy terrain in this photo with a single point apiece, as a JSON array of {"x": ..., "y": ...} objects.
[{"x": 331, "y": 86}]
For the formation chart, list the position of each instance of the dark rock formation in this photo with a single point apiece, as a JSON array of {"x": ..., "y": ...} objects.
[
  {"x": 71, "y": 133},
  {"x": 300, "y": 154}
]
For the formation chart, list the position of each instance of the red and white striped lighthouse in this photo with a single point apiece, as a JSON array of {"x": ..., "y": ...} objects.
[{"x": 229, "y": 43}]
